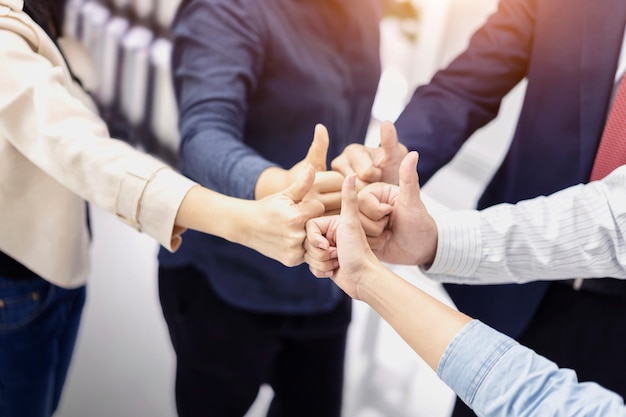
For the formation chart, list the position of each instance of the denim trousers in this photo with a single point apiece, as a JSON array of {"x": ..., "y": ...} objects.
[{"x": 38, "y": 328}]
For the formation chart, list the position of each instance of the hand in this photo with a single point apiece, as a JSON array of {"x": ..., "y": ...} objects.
[
  {"x": 281, "y": 230},
  {"x": 409, "y": 234},
  {"x": 343, "y": 238},
  {"x": 373, "y": 164},
  {"x": 327, "y": 185}
]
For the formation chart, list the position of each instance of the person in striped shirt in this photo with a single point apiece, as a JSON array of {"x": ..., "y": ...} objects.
[{"x": 579, "y": 229}]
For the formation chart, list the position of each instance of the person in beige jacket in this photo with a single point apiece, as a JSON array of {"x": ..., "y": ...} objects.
[{"x": 55, "y": 154}]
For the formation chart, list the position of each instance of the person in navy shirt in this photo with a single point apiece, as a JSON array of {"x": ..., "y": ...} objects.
[{"x": 252, "y": 80}]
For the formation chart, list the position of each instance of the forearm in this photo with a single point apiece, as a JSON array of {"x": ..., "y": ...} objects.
[
  {"x": 426, "y": 324},
  {"x": 210, "y": 212},
  {"x": 270, "y": 181},
  {"x": 467, "y": 94},
  {"x": 217, "y": 54},
  {"x": 218, "y": 160}
]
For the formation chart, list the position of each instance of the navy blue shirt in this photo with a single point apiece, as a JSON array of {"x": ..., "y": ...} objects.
[{"x": 252, "y": 78}]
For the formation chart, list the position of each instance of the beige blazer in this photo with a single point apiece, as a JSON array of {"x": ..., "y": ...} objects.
[{"x": 55, "y": 153}]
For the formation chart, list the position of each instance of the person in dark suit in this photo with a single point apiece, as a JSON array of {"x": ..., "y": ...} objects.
[{"x": 569, "y": 53}]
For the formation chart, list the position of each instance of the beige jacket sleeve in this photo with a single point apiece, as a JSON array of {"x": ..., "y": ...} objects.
[{"x": 49, "y": 120}]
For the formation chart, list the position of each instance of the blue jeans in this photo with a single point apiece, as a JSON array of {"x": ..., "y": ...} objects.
[{"x": 38, "y": 328}]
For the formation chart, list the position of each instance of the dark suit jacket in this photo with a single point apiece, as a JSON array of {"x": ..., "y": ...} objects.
[{"x": 568, "y": 50}]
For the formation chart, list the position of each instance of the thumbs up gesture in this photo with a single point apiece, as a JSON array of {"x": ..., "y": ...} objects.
[
  {"x": 399, "y": 228},
  {"x": 327, "y": 185},
  {"x": 373, "y": 164},
  {"x": 393, "y": 219},
  {"x": 337, "y": 246},
  {"x": 281, "y": 231}
]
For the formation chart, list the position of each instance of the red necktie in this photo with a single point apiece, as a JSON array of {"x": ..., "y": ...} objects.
[{"x": 612, "y": 150}]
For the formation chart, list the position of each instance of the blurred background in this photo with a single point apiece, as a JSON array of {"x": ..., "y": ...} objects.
[{"x": 124, "y": 364}]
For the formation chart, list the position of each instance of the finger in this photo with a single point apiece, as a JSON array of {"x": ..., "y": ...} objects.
[
  {"x": 316, "y": 230},
  {"x": 390, "y": 153},
  {"x": 374, "y": 208},
  {"x": 320, "y": 273},
  {"x": 361, "y": 184},
  {"x": 327, "y": 190},
  {"x": 321, "y": 260},
  {"x": 296, "y": 191},
  {"x": 388, "y": 138},
  {"x": 409, "y": 181},
  {"x": 372, "y": 227},
  {"x": 341, "y": 164},
  {"x": 357, "y": 159},
  {"x": 374, "y": 201},
  {"x": 331, "y": 202},
  {"x": 318, "y": 150},
  {"x": 350, "y": 201},
  {"x": 311, "y": 209},
  {"x": 328, "y": 182}
]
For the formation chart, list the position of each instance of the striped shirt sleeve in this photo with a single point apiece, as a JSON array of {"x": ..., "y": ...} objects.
[{"x": 576, "y": 232}]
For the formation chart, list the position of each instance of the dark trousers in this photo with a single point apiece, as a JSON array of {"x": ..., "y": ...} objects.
[
  {"x": 580, "y": 330},
  {"x": 38, "y": 328},
  {"x": 224, "y": 354}
]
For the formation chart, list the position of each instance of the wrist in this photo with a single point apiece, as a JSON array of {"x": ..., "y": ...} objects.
[
  {"x": 271, "y": 181},
  {"x": 238, "y": 229},
  {"x": 370, "y": 278}
]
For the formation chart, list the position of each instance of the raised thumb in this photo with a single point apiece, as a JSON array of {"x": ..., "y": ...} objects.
[
  {"x": 349, "y": 198},
  {"x": 388, "y": 138},
  {"x": 409, "y": 180},
  {"x": 297, "y": 190},
  {"x": 318, "y": 150}
]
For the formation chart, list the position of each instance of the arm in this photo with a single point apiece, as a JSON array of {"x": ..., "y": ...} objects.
[
  {"x": 466, "y": 95},
  {"x": 578, "y": 231},
  {"x": 326, "y": 186},
  {"x": 575, "y": 232},
  {"x": 274, "y": 225},
  {"x": 373, "y": 164},
  {"x": 49, "y": 120},
  {"x": 213, "y": 75},
  {"x": 459, "y": 99},
  {"x": 44, "y": 117},
  {"x": 216, "y": 74},
  {"x": 488, "y": 370}
]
